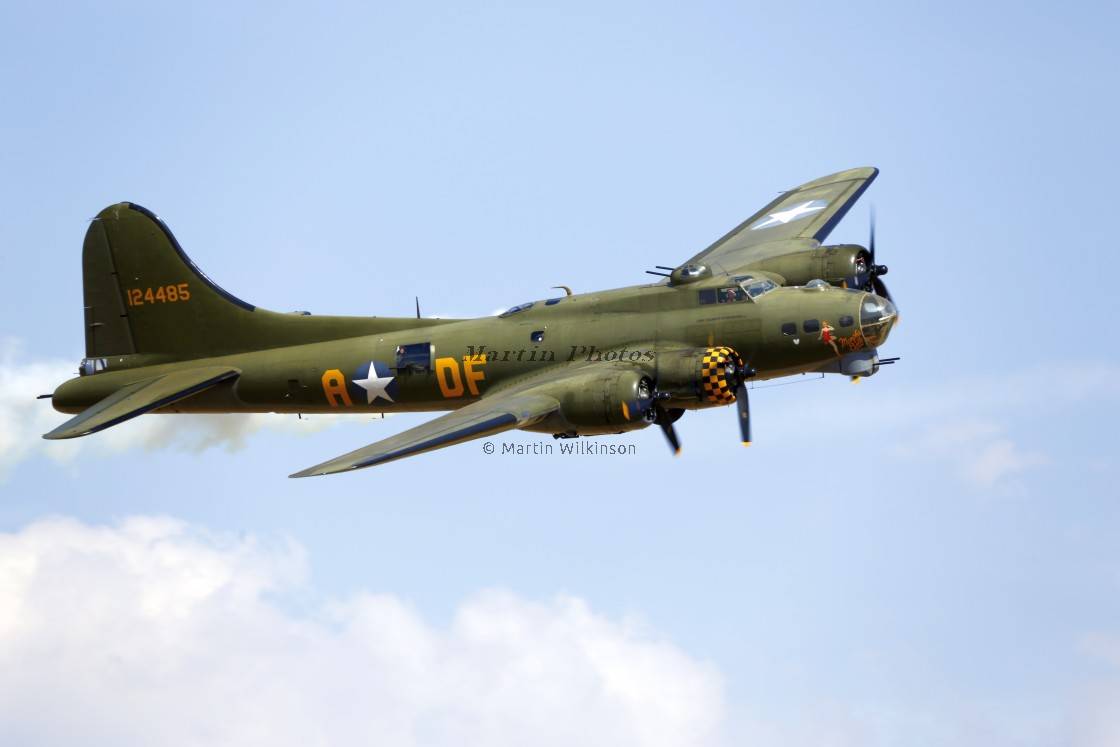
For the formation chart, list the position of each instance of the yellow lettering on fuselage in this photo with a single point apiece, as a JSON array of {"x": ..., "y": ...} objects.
[
  {"x": 451, "y": 378},
  {"x": 450, "y": 386},
  {"x": 334, "y": 386},
  {"x": 472, "y": 376}
]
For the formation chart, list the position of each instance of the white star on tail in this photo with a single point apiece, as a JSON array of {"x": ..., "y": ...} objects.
[
  {"x": 791, "y": 214},
  {"x": 374, "y": 385}
]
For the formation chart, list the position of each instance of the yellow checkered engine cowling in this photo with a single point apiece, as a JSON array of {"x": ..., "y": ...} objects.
[{"x": 714, "y": 382}]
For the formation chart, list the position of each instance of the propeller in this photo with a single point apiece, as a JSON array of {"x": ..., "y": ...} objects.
[
  {"x": 742, "y": 403},
  {"x": 665, "y": 417},
  {"x": 736, "y": 375},
  {"x": 874, "y": 270}
]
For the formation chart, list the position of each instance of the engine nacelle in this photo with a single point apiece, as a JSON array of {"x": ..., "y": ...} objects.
[
  {"x": 846, "y": 264},
  {"x": 702, "y": 377},
  {"x": 602, "y": 402}
]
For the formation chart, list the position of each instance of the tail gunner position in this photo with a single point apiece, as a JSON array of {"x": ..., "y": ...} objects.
[{"x": 766, "y": 300}]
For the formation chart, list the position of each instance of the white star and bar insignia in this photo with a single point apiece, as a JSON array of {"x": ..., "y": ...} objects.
[
  {"x": 376, "y": 383},
  {"x": 790, "y": 214}
]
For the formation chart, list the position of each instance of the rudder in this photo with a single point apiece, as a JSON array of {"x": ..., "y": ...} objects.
[{"x": 144, "y": 295}]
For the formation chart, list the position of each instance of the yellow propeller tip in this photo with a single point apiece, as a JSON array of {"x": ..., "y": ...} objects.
[{"x": 746, "y": 443}]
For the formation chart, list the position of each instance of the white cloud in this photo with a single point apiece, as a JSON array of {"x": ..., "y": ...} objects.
[
  {"x": 1104, "y": 646},
  {"x": 995, "y": 460},
  {"x": 980, "y": 450},
  {"x": 1094, "y": 717},
  {"x": 26, "y": 419},
  {"x": 977, "y": 425},
  {"x": 158, "y": 632}
]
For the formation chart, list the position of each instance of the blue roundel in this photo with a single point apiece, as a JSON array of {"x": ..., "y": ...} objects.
[{"x": 373, "y": 382}]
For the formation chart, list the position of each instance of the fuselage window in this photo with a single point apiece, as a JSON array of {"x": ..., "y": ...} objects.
[
  {"x": 789, "y": 328},
  {"x": 846, "y": 321},
  {"x": 414, "y": 357},
  {"x": 92, "y": 366},
  {"x": 811, "y": 325},
  {"x": 537, "y": 336},
  {"x": 707, "y": 297}
]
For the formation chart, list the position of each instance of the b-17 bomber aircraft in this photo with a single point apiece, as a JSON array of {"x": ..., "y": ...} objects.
[{"x": 766, "y": 300}]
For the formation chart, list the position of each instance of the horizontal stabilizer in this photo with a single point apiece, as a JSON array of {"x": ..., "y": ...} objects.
[
  {"x": 483, "y": 418},
  {"x": 141, "y": 397}
]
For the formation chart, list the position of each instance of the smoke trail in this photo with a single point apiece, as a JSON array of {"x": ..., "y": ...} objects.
[{"x": 26, "y": 418}]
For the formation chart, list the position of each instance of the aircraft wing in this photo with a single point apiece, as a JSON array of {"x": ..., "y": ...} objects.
[
  {"x": 141, "y": 397},
  {"x": 799, "y": 219},
  {"x": 486, "y": 417}
]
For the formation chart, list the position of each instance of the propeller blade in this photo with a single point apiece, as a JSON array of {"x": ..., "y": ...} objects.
[
  {"x": 876, "y": 285},
  {"x": 665, "y": 420},
  {"x": 871, "y": 239},
  {"x": 744, "y": 407},
  {"x": 881, "y": 289}
]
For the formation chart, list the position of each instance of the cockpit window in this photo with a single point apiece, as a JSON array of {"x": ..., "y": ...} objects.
[
  {"x": 516, "y": 309},
  {"x": 743, "y": 291},
  {"x": 759, "y": 288},
  {"x": 730, "y": 294},
  {"x": 734, "y": 294}
]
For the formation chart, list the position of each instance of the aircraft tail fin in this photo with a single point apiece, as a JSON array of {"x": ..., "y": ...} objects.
[{"x": 144, "y": 295}]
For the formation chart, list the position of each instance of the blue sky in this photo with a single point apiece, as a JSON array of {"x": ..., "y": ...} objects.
[{"x": 927, "y": 558}]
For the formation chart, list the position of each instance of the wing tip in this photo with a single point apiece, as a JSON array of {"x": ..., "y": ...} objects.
[
  {"x": 318, "y": 471},
  {"x": 866, "y": 173}
]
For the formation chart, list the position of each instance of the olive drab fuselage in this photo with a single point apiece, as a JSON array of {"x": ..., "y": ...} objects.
[{"x": 649, "y": 327}]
